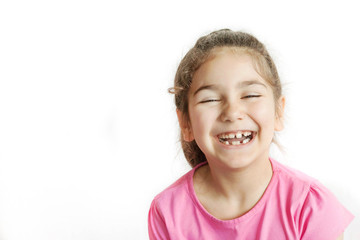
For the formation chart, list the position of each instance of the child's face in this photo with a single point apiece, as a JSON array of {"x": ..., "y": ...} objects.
[{"x": 228, "y": 100}]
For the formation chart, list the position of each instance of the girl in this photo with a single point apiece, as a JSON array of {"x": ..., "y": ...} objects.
[{"x": 229, "y": 104}]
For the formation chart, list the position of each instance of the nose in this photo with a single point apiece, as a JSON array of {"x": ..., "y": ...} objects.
[{"x": 232, "y": 111}]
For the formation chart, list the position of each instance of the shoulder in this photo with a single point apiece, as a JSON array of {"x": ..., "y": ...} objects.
[
  {"x": 168, "y": 208},
  {"x": 315, "y": 207},
  {"x": 290, "y": 174},
  {"x": 292, "y": 183},
  {"x": 320, "y": 210},
  {"x": 175, "y": 192},
  {"x": 307, "y": 190}
]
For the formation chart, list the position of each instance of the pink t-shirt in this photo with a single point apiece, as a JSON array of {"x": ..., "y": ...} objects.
[{"x": 294, "y": 206}]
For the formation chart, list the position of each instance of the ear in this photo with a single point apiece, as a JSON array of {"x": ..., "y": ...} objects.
[
  {"x": 279, "y": 115},
  {"x": 185, "y": 126}
]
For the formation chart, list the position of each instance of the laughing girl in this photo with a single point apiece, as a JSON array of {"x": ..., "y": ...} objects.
[{"x": 229, "y": 104}]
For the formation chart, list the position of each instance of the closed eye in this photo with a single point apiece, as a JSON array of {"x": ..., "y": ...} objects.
[
  {"x": 252, "y": 96},
  {"x": 210, "y": 100}
]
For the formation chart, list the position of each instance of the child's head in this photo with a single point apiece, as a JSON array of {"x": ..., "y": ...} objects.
[{"x": 205, "y": 49}]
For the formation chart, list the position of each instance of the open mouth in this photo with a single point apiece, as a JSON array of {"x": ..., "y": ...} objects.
[{"x": 238, "y": 138}]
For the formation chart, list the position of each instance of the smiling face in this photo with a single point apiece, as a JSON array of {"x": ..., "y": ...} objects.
[{"x": 231, "y": 110}]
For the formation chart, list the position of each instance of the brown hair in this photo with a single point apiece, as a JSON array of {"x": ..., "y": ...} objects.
[{"x": 197, "y": 55}]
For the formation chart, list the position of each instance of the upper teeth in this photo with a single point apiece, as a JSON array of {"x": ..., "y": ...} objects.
[
  {"x": 247, "y": 134},
  {"x": 237, "y": 135}
]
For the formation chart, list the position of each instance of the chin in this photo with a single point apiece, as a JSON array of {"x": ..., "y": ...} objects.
[{"x": 234, "y": 162}]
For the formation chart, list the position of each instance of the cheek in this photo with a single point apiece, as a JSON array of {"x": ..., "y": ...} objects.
[
  {"x": 264, "y": 114},
  {"x": 202, "y": 120}
]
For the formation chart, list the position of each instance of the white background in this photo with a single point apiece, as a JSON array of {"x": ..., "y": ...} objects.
[{"x": 88, "y": 134}]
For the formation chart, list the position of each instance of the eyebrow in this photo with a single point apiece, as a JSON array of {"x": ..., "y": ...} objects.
[
  {"x": 252, "y": 82},
  {"x": 205, "y": 87},
  {"x": 240, "y": 85}
]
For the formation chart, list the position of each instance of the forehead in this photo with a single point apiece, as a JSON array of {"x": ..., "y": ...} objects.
[{"x": 227, "y": 66}]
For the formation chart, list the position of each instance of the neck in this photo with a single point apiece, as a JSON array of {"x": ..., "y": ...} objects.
[{"x": 241, "y": 185}]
